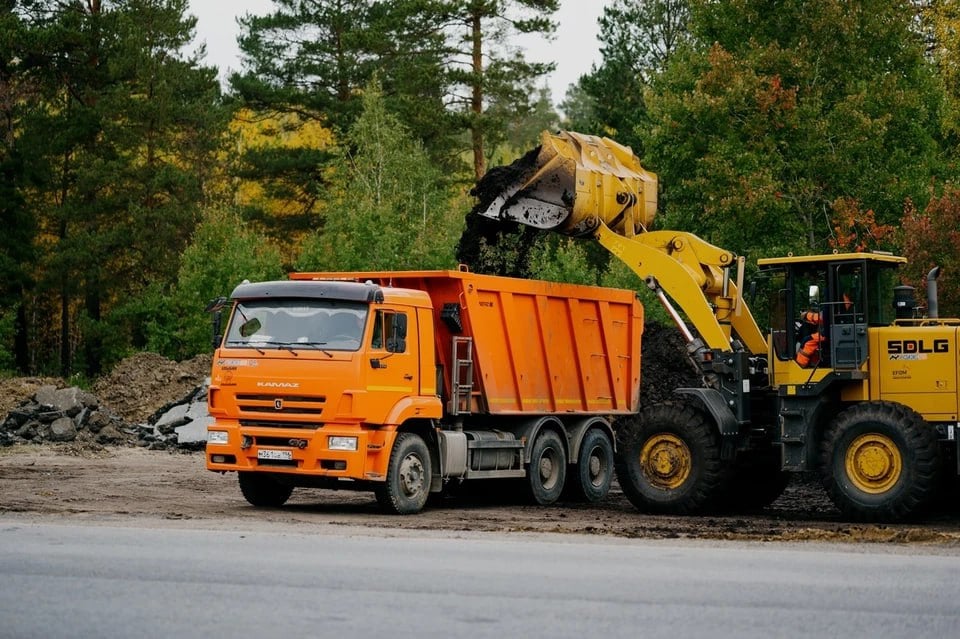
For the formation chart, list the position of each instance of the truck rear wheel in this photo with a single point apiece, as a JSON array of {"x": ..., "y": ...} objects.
[
  {"x": 594, "y": 469},
  {"x": 409, "y": 475},
  {"x": 880, "y": 461},
  {"x": 548, "y": 468},
  {"x": 668, "y": 459},
  {"x": 263, "y": 490}
]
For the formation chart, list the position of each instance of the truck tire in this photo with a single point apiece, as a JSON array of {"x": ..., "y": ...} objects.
[
  {"x": 263, "y": 490},
  {"x": 668, "y": 459},
  {"x": 879, "y": 461},
  {"x": 409, "y": 475},
  {"x": 591, "y": 476},
  {"x": 548, "y": 468}
]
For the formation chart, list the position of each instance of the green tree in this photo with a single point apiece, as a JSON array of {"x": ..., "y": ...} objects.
[
  {"x": 119, "y": 143},
  {"x": 637, "y": 38},
  {"x": 18, "y": 88},
  {"x": 485, "y": 72},
  {"x": 769, "y": 117},
  {"x": 391, "y": 209},
  {"x": 306, "y": 63},
  {"x": 222, "y": 253}
]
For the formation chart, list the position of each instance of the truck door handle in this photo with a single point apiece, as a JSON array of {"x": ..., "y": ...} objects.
[{"x": 408, "y": 376}]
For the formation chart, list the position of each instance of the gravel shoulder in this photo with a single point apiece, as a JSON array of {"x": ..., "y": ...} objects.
[{"x": 136, "y": 487}]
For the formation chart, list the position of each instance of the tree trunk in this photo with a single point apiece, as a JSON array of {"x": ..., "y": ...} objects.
[
  {"x": 21, "y": 339},
  {"x": 476, "y": 102}
]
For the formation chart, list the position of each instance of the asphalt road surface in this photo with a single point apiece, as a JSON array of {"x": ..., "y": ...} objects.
[{"x": 160, "y": 581}]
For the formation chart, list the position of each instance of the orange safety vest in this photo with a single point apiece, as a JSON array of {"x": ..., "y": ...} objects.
[{"x": 809, "y": 353}]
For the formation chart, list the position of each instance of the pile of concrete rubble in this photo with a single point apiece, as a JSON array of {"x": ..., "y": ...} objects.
[{"x": 70, "y": 414}]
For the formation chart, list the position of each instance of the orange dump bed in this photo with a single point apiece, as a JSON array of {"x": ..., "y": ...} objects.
[{"x": 538, "y": 347}]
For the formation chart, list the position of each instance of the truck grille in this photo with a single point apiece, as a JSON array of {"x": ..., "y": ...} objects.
[
  {"x": 260, "y": 423},
  {"x": 281, "y": 404}
]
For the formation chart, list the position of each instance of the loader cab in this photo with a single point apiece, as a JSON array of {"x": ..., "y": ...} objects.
[{"x": 827, "y": 303}]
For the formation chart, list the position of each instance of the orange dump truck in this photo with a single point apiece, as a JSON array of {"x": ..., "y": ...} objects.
[{"x": 405, "y": 383}]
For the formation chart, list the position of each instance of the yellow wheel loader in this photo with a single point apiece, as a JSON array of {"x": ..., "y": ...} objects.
[{"x": 859, "y": 390}]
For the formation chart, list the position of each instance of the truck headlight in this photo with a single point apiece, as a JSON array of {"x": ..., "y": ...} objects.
[
  {"x": 342, "y": 443},
  {"x": 217, "y": 437}
]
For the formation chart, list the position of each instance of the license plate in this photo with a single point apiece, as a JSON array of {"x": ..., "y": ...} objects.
[{"x": 281, "y": 455}]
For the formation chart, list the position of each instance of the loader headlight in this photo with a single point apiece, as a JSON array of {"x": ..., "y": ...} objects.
[
  {"x": 342, "y": 443},
  {"x": 217, "y": 437}
]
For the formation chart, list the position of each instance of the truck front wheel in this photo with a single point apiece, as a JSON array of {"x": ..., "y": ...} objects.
[
  {"x": 880, "y": 462},
  {"x": 263, "y": 490},
  {"x": 409, "y": 475},
  {"x": 548, "y": 468},
  {"x": 668, "y": 459}
]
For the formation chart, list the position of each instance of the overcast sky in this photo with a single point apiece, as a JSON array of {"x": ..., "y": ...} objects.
[{"x": 574, "y": 48}]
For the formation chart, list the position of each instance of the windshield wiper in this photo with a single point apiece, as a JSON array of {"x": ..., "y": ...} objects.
[
  {"x": 322, "y": 350},
  {"x": 285, "y": 345},
  {"x": 248, "y": 344}
]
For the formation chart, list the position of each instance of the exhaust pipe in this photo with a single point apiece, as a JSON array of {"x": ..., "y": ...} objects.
[{"x": 933, "y": 310}]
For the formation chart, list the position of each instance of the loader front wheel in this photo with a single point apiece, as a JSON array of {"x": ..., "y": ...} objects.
[
  {"x": 880, "y": 461},
  {"x": 263, "y": 490},
  {"x": 668, "y": 459},
  {"x": 409, "y": 475}
]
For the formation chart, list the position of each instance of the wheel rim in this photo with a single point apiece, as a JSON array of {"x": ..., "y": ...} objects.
[
  {"x": 596, "y": 467},
  {"x": 665, "y": 460},
  {"x": 873, "y": 463},
  {"x": 549, "y": 468},
  {"x": 411, "y": 475}
]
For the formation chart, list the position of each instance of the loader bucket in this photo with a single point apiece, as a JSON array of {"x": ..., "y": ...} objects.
[{"x": 572, "y": 184}]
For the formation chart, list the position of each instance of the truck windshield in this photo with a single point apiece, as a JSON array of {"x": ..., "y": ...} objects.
[{"x": 297, "y": 324}]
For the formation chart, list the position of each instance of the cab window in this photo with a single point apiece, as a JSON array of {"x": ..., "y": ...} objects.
[{"x": 383, "y": 330}]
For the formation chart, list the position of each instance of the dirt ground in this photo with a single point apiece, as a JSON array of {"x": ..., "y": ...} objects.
[{"x": 134, "y": 485}]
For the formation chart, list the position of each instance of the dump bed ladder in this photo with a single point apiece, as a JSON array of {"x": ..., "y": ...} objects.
[{"x": 461, "y": 376}]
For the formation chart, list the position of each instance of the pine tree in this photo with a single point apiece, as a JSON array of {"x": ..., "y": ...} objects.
[
  {"x": 484, "y": 71},
  {"x": 120, "y": 142}
]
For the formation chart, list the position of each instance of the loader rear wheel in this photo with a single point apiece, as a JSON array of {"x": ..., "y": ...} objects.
[
  {"x": 880, "y": 461},
  {"x": 263, "y": 490},
  {"x": 409, "y": 475},
  {"x": 593, "y": 472},
  {"x": 668, "y": 459},
  {"x": 548, "y": 468}
]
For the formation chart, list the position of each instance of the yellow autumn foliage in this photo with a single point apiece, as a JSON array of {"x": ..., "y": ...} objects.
[{"x": 253, "y": 131}]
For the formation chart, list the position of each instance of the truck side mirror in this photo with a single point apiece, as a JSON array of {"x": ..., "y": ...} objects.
[
  {"x": 217, "y": 334},
  {"x": 216, "y": 308},
  {"x": 398, "y": 334}
]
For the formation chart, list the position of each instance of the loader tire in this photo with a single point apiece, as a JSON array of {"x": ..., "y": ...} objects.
[
  {"x": 668, "y": 459},
  {"x": 263, "y": 490},
  {"x": 880, "y": 461},
  {"x": 409, "y": 474}
]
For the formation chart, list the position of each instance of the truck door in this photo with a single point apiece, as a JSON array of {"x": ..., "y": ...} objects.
[{"x": 393, "y": 360}]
